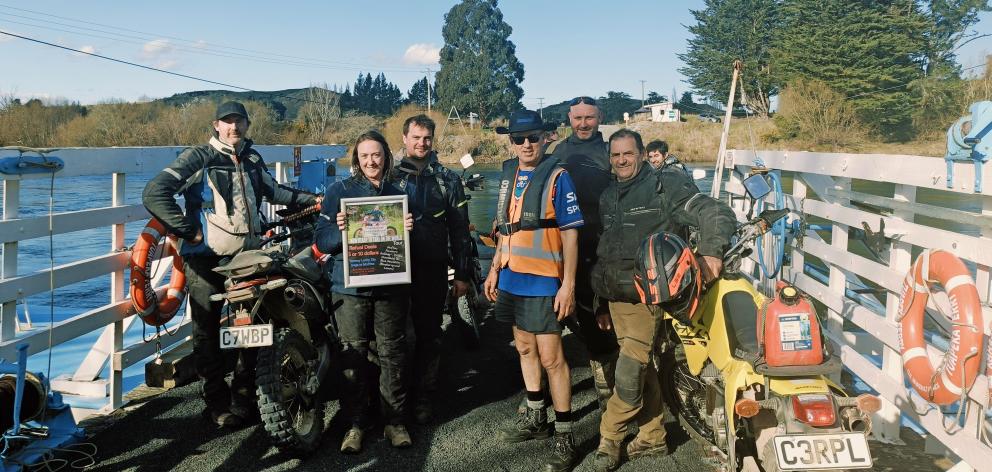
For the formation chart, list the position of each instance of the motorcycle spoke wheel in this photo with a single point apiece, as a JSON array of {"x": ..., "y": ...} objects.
[{"x": 293, "y": 420}]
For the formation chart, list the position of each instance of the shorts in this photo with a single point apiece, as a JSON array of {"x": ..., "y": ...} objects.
[{"x": 535, "y": 315}]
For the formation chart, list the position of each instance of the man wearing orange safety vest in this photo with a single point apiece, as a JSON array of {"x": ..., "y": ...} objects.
[{"x": 532, "y": 279}]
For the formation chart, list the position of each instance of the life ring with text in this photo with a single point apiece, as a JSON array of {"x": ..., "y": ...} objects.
[
  {"x": 959, "y": 367},
  {"x": 152, "y": 308}
]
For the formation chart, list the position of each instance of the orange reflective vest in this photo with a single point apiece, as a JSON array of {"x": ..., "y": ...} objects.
[{"x": 525, "y": 248}]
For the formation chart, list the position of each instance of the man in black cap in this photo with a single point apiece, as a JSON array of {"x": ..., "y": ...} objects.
[
  {"x": 532, "y": 279},
  {"x": 223, "y": 183}
]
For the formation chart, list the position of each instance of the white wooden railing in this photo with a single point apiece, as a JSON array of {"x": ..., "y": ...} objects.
[
  {"x": 867, "y": 329},
  {"x": 116, "y": 316}
]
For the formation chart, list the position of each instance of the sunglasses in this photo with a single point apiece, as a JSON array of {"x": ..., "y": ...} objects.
[
  {"x": 582, "y": 99},
  {"x": 518, "y": 140}
]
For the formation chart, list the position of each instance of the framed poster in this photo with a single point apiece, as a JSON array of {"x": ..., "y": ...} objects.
[{"x": 376, "y": 244}]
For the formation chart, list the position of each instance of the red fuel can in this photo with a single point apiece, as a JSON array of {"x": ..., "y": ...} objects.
[{"x": 790, "y": 330}]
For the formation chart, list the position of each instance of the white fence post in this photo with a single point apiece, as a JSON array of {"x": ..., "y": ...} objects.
[
  {"x": 117, "y": 243},
  {"x": 887, "y": 420},
  {"x": 838, "y": 280},
  {"x": 8, "y": 309}
]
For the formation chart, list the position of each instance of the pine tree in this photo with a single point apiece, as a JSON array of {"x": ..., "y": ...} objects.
[
  {"x": 418, "y": 93},
  {"x": 479, "y": 68},
  {"x": 729, "y": 30},
  {"x": 867, "y": 51}
]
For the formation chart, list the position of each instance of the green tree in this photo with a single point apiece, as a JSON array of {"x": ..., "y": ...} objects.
[
  {"x": 655, "y": 97},
  {"x": 614, "y": 104},
  {"x": 948, "y": 28},
  {"x": 418, "y": 93},
  {"x": 729, "y": 30},
  {"x": 868, "y": 51},
  {"x": 940, "y": 91},
  {"x": 479, "y": 71}
]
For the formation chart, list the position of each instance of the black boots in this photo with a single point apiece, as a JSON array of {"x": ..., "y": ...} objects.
[{"x": 533, "y": 424}]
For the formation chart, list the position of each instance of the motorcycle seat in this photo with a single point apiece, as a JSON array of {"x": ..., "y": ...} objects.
[
  {"x": 303, "y": 266},
  {"x": 741, "y": 318}
]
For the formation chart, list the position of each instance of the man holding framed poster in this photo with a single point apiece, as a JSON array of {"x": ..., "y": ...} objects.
[{"x": 376, "y": 250}]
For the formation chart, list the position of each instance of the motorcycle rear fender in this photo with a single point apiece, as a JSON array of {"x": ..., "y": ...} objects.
[{"x": 280, "y": 313}]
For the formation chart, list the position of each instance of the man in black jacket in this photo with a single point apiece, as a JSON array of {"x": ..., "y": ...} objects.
[
  {"x": 437, "y": 201},
  {"x": 639, "y": 202},
  {"x": 223, "y": 183},
  {"x": 584, "y": 155}
]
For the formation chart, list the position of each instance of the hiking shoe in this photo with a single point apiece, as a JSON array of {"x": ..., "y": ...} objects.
[
  {"x": 423, "y": 413},
  {"x": 639, "y": 448},
  {"x": 223, "y": 418},
  {"x": 397, "y": 435},
  {"x": 563, "y": 454},
  {"x": 352, "y": 442},
  {"x": 607, "y": 456},
  {"x": 532, "y": 425}
]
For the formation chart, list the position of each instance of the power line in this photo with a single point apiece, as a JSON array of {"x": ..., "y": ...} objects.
[
  {"x": 198, "y": 45},
  {"x": 142, "y": 66},
  {"x": 197, "y": 50}
]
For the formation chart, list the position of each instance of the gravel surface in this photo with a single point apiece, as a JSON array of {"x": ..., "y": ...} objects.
[{"x": 480, "y": 392}]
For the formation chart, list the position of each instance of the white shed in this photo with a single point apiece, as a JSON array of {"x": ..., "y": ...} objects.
[{"x": 664, "y": 112}]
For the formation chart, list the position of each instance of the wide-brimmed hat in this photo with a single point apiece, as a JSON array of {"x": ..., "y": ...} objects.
[
  {"x": 522, "y": 121},
  {"x": 230, "y": 108}
]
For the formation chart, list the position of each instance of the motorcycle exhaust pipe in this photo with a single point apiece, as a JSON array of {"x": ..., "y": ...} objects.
[
  {"x": 854, "y": 420},
  {"x": 295, "y": 295}
]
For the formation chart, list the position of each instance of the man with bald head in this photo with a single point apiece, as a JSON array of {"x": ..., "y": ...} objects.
[{"x": 585, "y": 155}]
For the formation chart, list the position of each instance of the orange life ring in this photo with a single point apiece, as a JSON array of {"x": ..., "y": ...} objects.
[
  {"x": 146, "y": 302},
  {"x": 959, "y": 367}
]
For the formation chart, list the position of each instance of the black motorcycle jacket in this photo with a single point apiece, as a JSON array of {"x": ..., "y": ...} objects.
[
  {"x": 328, "y": 237},
  {"x": 440, "y": 214},
  {"x": 222, "y": 197},
  {"x": 588, "y": 164},
  {"x": 648, "y": 203}
]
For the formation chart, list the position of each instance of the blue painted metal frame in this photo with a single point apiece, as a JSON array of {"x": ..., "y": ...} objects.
[{"x": 973, "y": 146}]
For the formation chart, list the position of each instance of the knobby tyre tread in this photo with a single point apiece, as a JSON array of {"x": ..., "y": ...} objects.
[{"x": 276, "y": 416}]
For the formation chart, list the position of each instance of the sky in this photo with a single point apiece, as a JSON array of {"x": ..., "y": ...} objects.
[{"x": 568, "y": 48}]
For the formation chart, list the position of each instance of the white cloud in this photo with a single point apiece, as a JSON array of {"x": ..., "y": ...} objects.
[
  {"x": 166, "y": 64},
  {"x": 156, "y": 48},
  {"x": 200, "y": 44},
  {"x": 88, "y": 49},
  {"x": 422, "y": 54},
  {"x": 160, "y": 53}
]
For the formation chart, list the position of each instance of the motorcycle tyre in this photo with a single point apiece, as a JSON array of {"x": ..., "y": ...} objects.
[
  {"x": 669, "y": 365},
  {"x": 276, "y": 417}
]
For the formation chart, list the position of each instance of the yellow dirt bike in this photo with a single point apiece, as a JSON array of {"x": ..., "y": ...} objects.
[{"x": 719, "y": 376}]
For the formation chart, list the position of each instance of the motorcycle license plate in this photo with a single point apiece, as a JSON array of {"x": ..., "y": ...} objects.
[
  {"x": 822, "y": 451},
  {"x": 235, "y": 337}
]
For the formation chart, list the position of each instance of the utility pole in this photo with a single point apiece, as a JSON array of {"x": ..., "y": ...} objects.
[
  {"x": 427, "y": 77},
  {"x": 540, "y": 107},
  {"x": 642, "y": 92}
]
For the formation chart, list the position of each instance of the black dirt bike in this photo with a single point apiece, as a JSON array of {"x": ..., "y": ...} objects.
[{"x": 278, "y": 304}]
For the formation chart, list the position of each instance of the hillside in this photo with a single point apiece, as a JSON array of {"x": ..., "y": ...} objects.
[{"x": 285, "y": 103}]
